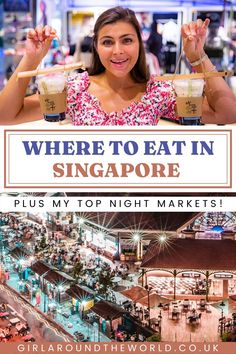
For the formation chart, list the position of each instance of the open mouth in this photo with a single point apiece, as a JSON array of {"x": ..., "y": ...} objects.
[{"x": 119, "y": 62}]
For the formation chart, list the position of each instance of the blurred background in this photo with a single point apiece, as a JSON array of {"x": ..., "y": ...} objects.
[{"x": 160, "y": 22}]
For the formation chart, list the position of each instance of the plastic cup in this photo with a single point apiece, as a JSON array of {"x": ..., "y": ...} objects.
[
  {"x": 52, "y": 96},
  {"x": 189, "y": 88},
  {"x": 189, "y": 97}
]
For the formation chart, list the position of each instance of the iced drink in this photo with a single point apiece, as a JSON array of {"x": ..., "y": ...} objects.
[
  {"x": 52, "y": 96},
  {"x": 189, "y": 88},
  {"x": 189, "y": 97}
]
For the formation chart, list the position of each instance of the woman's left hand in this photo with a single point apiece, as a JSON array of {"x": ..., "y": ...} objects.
[{"x": 194, "y": 37}]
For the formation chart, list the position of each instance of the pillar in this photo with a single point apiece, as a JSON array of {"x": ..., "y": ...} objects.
[
  {"x": 175, "y": 274},
  {"x": 225, "y": 288},
  {"x": 142, "y": 277},
  {"x": 207, "y": 285}
]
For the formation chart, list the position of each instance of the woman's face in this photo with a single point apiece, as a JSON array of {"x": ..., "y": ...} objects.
[{"x": 118, "y": 48}]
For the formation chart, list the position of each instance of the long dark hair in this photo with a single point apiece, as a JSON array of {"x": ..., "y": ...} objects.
[{"x": 139, "y": 73}]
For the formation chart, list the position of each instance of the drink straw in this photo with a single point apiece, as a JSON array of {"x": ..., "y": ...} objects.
[
  {"x": 53, "y": 69},
  {"x": 190, "y": 88},
  {"x": 45, "y": 89},
  {"x": 171, "y": 77}
]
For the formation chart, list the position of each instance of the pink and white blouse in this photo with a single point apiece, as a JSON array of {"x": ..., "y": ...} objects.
[{"x": 85, "y": 109}]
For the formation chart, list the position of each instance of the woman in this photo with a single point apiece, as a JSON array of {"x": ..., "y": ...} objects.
[{"x": 118, "y": 89}]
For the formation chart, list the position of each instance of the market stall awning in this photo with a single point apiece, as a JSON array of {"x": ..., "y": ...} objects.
[
  {"x": 79, "y": 293},
  {"x": 135, "y": 293},
  {"x": 18, "y": 253},
  {"x": 192, "y": 254},
  {"x": 107, "y": 310},
  {"x": 40, "y": 268},
  {"x": 140, "y": 295},
  {"x": 57, "y": 278}
]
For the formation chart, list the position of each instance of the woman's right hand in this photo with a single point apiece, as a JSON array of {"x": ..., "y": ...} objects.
[{"x": 39, "y": 41}]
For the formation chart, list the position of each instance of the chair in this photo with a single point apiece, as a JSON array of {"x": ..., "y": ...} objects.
[
  {"x": 193, "y": 319},
  {"x": 175, "y": 315},
  {"x": 202, "y": 305},
  {"x": 165, "y": 307},
  {"x": 185, "y": 307}
]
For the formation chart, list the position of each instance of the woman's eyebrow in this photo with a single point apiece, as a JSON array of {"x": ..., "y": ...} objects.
[
  {"x": 105, "y": 37},
  {"x": 110, "y": 37},
  {"x": 127, "y": 34}
]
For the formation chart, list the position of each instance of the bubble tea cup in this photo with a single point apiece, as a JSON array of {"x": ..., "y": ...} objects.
[
  {"x": 189, "y": 97},
  {"x": 52, "y": 96}
]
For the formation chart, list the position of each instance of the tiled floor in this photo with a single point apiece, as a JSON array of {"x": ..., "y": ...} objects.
[{"x": 181, "y": 331}]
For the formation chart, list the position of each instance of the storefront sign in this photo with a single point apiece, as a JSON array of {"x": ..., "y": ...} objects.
[
  {"x": 223, "y": 275},
  {"x": 191, "y": 275}
]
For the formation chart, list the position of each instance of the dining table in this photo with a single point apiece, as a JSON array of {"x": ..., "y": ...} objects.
[
  {"x": 14, "y": 320},
  {"x": 193, "y": 319},
  {"x": 20, "y": 326}
]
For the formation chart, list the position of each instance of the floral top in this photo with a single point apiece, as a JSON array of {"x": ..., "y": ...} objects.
[{"x": 85, "y": 109}]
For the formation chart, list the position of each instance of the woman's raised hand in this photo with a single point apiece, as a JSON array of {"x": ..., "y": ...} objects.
[
  {"x": 39, "y": 41},
  {"x": 194, "y": 37}
]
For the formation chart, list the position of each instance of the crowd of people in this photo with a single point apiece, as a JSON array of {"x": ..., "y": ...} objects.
[
  {"x": 65, "y": 254},
  {"x": 58, "y": 250}
]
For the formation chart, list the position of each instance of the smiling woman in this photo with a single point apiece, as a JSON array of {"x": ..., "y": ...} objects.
[
  {"x": 118, "y": 51},
  {"x": 117, "y": 33},
  {"x": 117, "y": 89}
]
